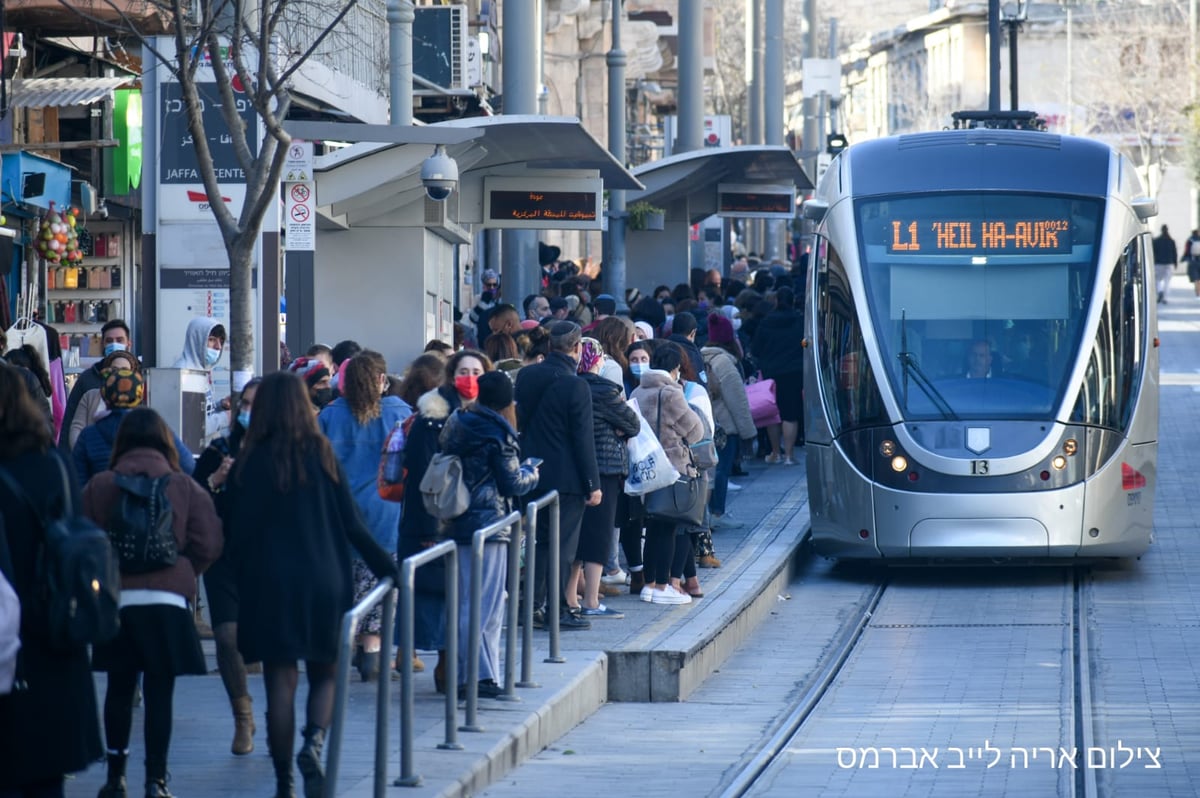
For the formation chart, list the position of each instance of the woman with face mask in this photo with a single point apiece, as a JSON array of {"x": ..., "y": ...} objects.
[
  {"x": 418, "y": 529},
  {"x": 212, "y": 472},
  {"x": 91, "y": 406},
  {"x": 357, "y": 423},
  {"x": 316, "y": 376}
]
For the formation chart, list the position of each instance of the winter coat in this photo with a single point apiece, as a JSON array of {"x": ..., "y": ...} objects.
[
  {"x": 1164, "y": 249},
  {"x": 554, "y": 415},
  {"x": 679, "y": 426},
  {"x": 613, "y": 423},
  {"x": 88, "y": 380},
  {"x": 198, "y": 535},
  {"x": 291, "y": 552},
  {"x": 94, "y": 448},
  {"x": 52, "y": 727},
  {"x": 611, "y": 371},
  {"x": 420, "y": 445},
  {"x": 490, "y": 453},
  {"x": 731, "y": 407},
  {"x": 777, "y": 343},
  {"x": 84, "y": 417},
  {"x": 195, "y": 344},
  {"x": 357, "y": 447}
]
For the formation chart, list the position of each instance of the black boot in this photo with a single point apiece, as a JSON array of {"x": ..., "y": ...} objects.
[
  {"x": 285, "y": 781},
  {"x": 115, "y": 786},
  {"x": 309, "y": 761},
  {"x": 157, "y": 788},
  {"x": 368, "y": 665}
]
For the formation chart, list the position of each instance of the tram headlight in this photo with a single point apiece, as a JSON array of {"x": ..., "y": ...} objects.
[
  {"x": 1059, "y": 462},
  {"x": 1070, "y": 446},
  {"x": 887, "y": 448},
  {"x": 899, "y": 463}
]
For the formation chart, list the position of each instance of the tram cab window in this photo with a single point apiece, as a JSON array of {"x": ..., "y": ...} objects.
[{"x": 945, "y": 272}]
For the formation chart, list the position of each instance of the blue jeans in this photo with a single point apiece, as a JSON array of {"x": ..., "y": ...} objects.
[{"x": 725, "y": 458}]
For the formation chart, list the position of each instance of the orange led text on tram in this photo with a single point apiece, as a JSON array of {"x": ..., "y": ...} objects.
[{"x": 974, "y": 236}]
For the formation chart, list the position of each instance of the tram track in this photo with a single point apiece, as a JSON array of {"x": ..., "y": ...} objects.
[{"x": 1078, "y": 732}]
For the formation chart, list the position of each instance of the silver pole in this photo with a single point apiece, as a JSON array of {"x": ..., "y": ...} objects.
[
  {"x": 400, "y": 16},
  {"x": 690, "y": 93},
  {"x": 521, "y": 85},
  {"x": 530, "y": 583},
  {"x": 554, "y": 585},
  {"x": 994, "y": 45},
  {"x": 383, "y": 698},
  {"x": 614, "y": 259},
  {"x": 754, "y": 48},
  {"x": 773, "y": 101},
  {"x": 811, "y": 146},
  {"x": 510, "y": 634}
]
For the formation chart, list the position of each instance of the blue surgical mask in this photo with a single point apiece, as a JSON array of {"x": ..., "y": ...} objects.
[
  {"x": 113, "y": 346},
  {"x": 211, "y": 356},
  {"x": 637, "y": 369},
  {"x": 244, "y": 419}
]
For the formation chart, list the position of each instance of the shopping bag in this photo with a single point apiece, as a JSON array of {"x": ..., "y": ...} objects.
[
  {"x": 763, "y": 407},
  {"x": 681, "y": 502},
  {"x": 649, "y": 468}
]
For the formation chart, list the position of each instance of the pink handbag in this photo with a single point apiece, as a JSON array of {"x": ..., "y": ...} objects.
[{"x": 763, "y": 407}]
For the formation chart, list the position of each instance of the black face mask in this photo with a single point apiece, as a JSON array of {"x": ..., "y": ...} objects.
[{"x": 322, "y": 397}]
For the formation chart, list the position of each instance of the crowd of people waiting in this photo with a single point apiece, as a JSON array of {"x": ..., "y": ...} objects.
[{"x": 283, "y": 519}]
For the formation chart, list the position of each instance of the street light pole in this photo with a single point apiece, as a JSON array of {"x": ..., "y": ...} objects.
[{"x": 614, "y": 261}]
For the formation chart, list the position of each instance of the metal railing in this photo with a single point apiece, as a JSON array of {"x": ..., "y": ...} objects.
[
  {"x": 511, "y": 522},
  {"x": 408, "y": 571},
  {"x": 553, "y": 586},
  {"x": 385, "y": 592}
]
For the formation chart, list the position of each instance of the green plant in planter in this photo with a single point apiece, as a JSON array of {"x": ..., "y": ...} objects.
[{"x": 644, "y": 216}]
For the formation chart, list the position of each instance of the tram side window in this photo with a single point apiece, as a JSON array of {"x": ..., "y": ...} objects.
[
  {"x": 848, "y": 383},
  {"x": 1114, "y": 369}
]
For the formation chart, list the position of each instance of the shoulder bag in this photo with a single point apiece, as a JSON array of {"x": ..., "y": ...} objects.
[{"x": 681, "y": 502}]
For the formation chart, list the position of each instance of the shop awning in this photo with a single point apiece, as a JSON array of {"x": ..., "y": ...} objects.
[{"x": 58, "y": 92}]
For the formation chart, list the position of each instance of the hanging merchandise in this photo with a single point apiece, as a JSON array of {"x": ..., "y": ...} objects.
[{"x": 57, "y": 241}]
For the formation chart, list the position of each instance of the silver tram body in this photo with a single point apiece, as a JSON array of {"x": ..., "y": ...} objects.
[{"x": 930, "y": 245}]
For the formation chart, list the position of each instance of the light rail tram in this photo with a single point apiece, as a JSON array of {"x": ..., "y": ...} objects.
[{"x": 981, "y": 367}]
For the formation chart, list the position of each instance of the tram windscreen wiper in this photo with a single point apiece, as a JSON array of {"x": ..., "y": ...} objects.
[{"x": 910, "y": 368}]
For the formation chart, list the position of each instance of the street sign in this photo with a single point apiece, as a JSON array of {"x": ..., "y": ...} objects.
[
  {"x": 298, "y": 165},
  {"x": 300, "y": 217},
  {"x": 822, "y": 75}
]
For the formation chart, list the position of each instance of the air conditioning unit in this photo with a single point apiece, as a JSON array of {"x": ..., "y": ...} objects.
[
  {"x": 440, "y": 219},
  {"x": 440, "y": 46}
]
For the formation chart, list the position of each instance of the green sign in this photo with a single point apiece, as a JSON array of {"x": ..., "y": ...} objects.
[{"x": 125, "y": 166}]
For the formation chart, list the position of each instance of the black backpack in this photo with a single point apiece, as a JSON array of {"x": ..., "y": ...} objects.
[
  {"x": 78, "y": 584},
  {"x": 141, "y": 525}
]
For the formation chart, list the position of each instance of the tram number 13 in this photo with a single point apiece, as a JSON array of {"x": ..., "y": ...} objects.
[{"x": 979, "y": 468}]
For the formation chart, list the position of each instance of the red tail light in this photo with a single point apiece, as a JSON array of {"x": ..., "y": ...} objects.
[{"x": 1131, "y": 479}]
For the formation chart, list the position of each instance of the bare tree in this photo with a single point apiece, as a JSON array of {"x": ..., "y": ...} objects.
[{"x": 259, "y": 47}]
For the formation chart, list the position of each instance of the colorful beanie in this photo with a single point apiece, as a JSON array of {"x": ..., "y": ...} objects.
[
  {"x": 310, "y": 369},
  {"x": 122, "y": 388}
]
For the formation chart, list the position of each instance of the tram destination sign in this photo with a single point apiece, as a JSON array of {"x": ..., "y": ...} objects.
[
  {"x": 543, "y": 203},
  {"x": 749, "y": 201},
  {"x": 978, "y": 236}
]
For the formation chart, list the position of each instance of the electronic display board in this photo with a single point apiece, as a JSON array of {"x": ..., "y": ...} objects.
[
  {"x": 546, "y": 203},
  {"x": 750, "y": 201},
  {"x": 979, "y": 236}
]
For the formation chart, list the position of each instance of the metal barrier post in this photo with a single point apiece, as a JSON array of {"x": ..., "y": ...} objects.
[
  {"x": 554, "y": 584},
  {"x": 527, "y": 611},
  {"x": 475, "y": 611},
  {"x": 383, "y": 697},
  {"x": 512, "y": 586},
  {"x": 381, "y": 592},
  {"x": 408, "y": 568}
]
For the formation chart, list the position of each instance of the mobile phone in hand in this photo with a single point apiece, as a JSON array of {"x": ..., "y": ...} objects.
[{"x": 533, "y": 462}]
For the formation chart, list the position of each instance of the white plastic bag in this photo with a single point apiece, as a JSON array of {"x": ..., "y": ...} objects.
[
  {"x": 10, "y": 631},
  {"x": 649, "y": 468}
]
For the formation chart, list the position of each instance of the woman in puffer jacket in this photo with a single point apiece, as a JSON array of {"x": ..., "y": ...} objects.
[
  {"x": 676, "y": 428},
  {"x": 614, "y": 422},
  {"x": 485, "y": 439}
]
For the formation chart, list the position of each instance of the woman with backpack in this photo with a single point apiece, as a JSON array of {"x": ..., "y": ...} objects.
[
  {"x": 357, "y": 423},
  {"x": 220, "y": 586},
  {"x": 418, "y": 529},
  {"x": 50, "y": 727},
  {"x": 145, "y": 496},
  {"x": 294, "y": 530},
  {"x": 484, "y": 438}
]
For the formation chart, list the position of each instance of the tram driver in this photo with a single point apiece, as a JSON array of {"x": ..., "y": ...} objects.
[{"x": 979, "y": 361}]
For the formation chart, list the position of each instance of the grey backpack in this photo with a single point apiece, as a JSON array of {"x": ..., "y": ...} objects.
[{"x": 443, "y": 490}]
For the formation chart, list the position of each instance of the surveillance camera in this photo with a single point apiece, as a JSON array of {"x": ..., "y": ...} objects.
[{"x": 439, "y": 175}]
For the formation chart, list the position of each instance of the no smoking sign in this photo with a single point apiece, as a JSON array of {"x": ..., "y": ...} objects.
[{"x": 301, "y": 227}]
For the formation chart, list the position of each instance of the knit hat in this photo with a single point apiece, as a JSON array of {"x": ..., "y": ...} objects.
[
  {"x": 645, "y": 327},
  {"x": 495, "y": 390},
  {"x": 720, "y": 329},
  {"x": 591, "y": 354},
  {"x": 310, "y": 369},
  {"x": 122, "y": 388}
]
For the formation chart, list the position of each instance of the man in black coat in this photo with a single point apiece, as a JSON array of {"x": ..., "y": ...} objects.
[
  {"x": 554, "y": 416},
  {"x": 114, "y": 337},
  {"x": 683, "y": 332}
]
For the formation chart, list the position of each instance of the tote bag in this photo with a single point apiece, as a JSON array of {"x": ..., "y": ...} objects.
[
  {"x": 763, "y": 407},
  {"x": 681, "y": 502}
]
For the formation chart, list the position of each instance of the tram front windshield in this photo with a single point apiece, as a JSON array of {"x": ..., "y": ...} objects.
[{"x": 978, "y": 299}]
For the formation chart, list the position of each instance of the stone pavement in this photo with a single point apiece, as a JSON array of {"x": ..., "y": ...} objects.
[{"x": 656, "y": 653}]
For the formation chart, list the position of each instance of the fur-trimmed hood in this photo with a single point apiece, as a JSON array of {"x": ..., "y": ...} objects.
[{"x": 438, "y": 404}]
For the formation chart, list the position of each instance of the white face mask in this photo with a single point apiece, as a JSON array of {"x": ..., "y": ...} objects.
[{"x": 211, "y": 356}]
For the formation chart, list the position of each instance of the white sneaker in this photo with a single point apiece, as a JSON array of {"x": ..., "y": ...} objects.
[
  {"x": 669, "y": 595},
  {"x": 648, "y": 593},
  {"x": 726, "y": 521},
  {"x": 733, "y": 486},
  {"x": 619, "y": 578}
]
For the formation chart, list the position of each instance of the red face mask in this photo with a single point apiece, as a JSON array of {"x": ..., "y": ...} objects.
[{"x": 467, "y": 386}]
